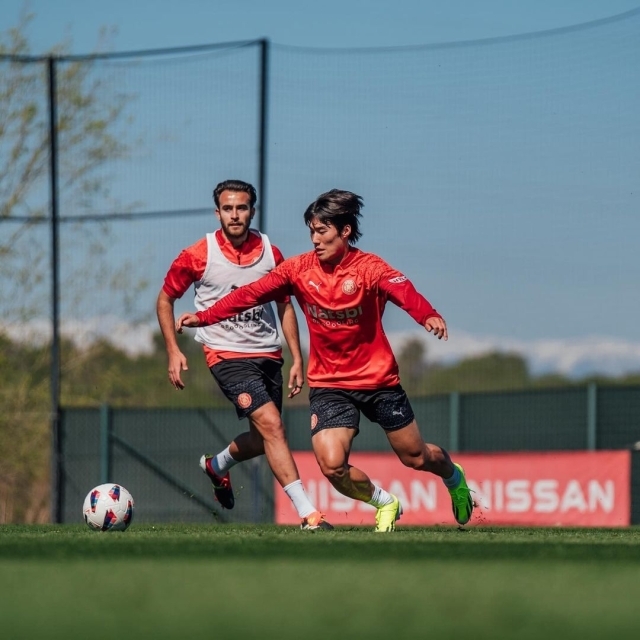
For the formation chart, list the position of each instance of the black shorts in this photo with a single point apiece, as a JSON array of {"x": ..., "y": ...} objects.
[
  {"x": 250, "y": 382},
  {"x": 331, "y": 408}
]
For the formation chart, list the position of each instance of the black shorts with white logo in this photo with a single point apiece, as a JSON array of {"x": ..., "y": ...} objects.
[
  {"x": 250, "y": 382},
  {"x": 331, "y": 408}
]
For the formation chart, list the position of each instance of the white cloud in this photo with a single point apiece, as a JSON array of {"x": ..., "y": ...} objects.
[{"x": 571, "y": 357}]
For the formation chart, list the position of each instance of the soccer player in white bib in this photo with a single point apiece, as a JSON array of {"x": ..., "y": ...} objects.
[{"x": 244, "y": 354}]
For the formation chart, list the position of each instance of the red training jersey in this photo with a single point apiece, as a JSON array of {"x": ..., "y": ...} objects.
[
  {"x": 343, "y": 306},
  {"x": 189, "y": 267}
]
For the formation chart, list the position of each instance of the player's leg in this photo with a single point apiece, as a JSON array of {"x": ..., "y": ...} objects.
[
  {"x": 335, "y": 422},
  {"x": 417, "y": 454},
  {"x": 231, "y": 376},
  {"x": 254, "y": 385},
  {"x": 391, "y": 410},
  {"x": 331, "y": 447},
  {"x": 280, "y": 459},
  {"x": 245, "y": 446},
  {"x": 267, "y": 421}
]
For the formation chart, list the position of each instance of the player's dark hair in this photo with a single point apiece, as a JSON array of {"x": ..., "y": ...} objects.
[
  {"x": 337, "y": 208},
  {"x": 235, "y": 185}
]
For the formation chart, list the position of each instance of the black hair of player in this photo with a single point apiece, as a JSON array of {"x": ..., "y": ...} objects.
[{"x": 337, "y": 208}]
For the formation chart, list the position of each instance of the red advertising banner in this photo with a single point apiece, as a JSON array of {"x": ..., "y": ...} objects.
[{"x": 578, "y": 489}]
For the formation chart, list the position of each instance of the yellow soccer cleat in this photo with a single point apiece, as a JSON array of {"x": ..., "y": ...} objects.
[{"x": 387, "y": 516}]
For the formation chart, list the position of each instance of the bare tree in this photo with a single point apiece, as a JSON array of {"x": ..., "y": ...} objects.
[{"x": 91, "y": 126}]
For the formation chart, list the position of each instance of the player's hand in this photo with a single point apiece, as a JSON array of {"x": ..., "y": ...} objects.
[
  {"x": 187, "y": 320},
  {"x": 296, "y": 379},
  {"x": 177, "y": 364},
  {"x": 438, "y": 326}
]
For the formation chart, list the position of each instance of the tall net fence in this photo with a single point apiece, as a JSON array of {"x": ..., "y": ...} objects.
[
  {"x": 184, "y": 120},
  {"x": 140, "y": 144},
  {"x": 491, "y": 171},
  {"x": 504, "y": 169}
]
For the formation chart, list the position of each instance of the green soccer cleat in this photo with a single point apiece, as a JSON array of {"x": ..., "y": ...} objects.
[
  {"x": 386, "y": 516},
  {"x": 461, "y": 500}
]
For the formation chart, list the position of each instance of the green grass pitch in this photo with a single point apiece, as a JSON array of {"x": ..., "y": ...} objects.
[{"x": 228, "y": 581}]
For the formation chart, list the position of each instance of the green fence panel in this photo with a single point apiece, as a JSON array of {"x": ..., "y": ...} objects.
[
  {"x": 155, "y": 452},
  {"x": 618, "y": 417},
  {"x": 524, "y": 421},
  {"x": 155, "y": 455}
]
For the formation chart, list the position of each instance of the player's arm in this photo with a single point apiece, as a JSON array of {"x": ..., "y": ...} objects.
[
  {"x": 184, "y": 271},
  {"x": 400, "y": 290},
  {"x": 177, "y": 361},
  {"x": 268, "y": 288},
  {"x": 289, "y": 323}
]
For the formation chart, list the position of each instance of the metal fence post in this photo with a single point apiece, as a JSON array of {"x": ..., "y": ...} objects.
[
  {"x": 454, "y": 421},
  {"x": 263, "y": 125},
  {"x": 57, "y": 459},
  {"x": 105, "y": 444},
  {"x": 592, "y": 416}
]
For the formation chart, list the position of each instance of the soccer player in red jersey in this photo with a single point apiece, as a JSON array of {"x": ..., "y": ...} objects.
[
  {"x": 244, "y": 354},
  {"x": 343, "y": 292}
]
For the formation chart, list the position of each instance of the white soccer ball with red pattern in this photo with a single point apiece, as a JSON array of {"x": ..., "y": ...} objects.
[{"x": 108, "y": 507}]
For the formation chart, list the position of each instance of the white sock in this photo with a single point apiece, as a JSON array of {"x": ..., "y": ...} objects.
[
  {"x": 223, "y": 462},
  {"x": 301, "y": 502},
  {"x": 380, "y": 497}
]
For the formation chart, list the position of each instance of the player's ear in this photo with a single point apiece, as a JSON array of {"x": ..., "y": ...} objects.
[
  {"x": 346, "y": 231},
  {"x": 253, "y": 213}
]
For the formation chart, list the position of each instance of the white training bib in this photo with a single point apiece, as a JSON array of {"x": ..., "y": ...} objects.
[{"x": 251, "y": 331}]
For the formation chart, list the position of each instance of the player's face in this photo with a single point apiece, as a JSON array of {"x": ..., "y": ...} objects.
[
  {"x": 235, "y": 214},
  {"x": 329, "y": 244}
]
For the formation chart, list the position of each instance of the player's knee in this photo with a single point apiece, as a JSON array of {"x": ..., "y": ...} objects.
[
  {"x": 333, "y": 472},
  {"x": 271, "y": 430},
  {"x": 414, "y": 460},
  {"x": 429, "y": 458},
  {"x": 435, "y": 455}
]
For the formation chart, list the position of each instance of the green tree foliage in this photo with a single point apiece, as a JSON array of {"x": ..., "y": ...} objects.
[
  {"x": 24, "y": 439},
  {"x": 486, "y": 373},
  {"x": 103, "y": 374},
  {"x": 490, "y": 372}
]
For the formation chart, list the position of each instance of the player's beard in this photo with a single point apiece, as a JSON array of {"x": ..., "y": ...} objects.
[{"x": 239, "y": 230}]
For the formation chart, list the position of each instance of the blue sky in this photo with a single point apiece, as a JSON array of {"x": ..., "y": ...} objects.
[
  {"x": 513, "y": 208},
  {"x": 145, "y": 24}
]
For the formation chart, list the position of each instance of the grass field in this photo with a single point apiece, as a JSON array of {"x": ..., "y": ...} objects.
[{"x": 230, "y": 581}]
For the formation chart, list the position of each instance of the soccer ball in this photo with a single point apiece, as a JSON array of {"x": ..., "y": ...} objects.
[{"x": 108, "y": 507}]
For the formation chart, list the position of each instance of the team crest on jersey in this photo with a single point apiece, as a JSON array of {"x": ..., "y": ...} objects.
[
  {"x": 244, "y": 400},
  {"x": 314, "y": 421},
  {"x": 349, "y": 287}
]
